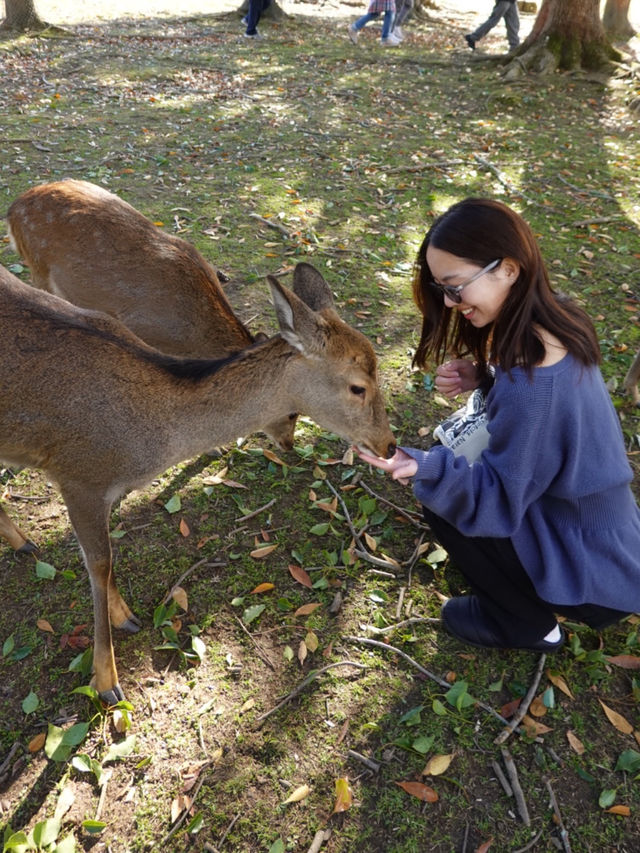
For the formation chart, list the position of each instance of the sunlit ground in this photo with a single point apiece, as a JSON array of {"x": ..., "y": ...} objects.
[{"x": 72, "y": 12}]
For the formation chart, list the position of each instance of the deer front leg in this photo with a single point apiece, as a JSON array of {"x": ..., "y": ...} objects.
[
  {"x": 14, "y": 536},
  {"x": 89, "y": 517}
]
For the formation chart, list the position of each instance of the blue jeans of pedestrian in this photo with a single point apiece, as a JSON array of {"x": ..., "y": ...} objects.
[
  {"x": 256, "y": 8},
  {"x": 370, "y": 16},
  {"x": 502, "y": 9}
]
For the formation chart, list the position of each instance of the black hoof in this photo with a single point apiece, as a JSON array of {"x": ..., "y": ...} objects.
[
  {"x": 131, "y": 625},
  {"x": 113, "y": 696},
  {"x": 28, "y": 548}
]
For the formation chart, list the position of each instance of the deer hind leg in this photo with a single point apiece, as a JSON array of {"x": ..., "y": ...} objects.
[
  {"x": 90, "y": 518},
  {"x": 14, "y": 536},
  {"x": 632, "y": 379}
]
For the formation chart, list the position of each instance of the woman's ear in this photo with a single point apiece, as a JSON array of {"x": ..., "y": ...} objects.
[{"x": 510, "y": 269}]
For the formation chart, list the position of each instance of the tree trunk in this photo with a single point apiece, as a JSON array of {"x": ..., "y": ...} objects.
[
  {"x": 615, "y": 20},
  {"x": 22, "y": 16},
  {"x": 567, "y": 34}
]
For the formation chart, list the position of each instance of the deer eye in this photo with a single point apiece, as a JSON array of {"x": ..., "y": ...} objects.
[{"x": 358, "y": 390}]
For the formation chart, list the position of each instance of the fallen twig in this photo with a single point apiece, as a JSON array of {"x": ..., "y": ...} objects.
[
  {"x": 531, "y": 844},
  {"x": 319, "y": 838},
  {"x": 599, "y": 220},
  {"x": 104, "y": 781},
  {"x": 524, "y": 705},
  {"x": 182, "y": 816},
  {"x": 506, "y": 787},
  {"x": 435, "y": 164},
  {"x": 367, "y": 642},
  {"x": 564, "y": 835},
  {"x": 261, "y": 653},
  {"x": 414, "y": 620},
  {"x": 512, "y": 773},
  {"x": 311, "y": 677},
  {"x": 406, "y": 513},
  {"x": 368, "y": 762},
  {"x": 256, "y": 511},
  {"x": 188, "y": 572},
  {"x": 274, "y": 225},
  {"x": 354, "y": 532},
  {"x": 376, "y": 561}
]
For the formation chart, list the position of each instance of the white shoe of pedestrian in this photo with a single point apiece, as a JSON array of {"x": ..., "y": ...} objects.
[
  {"x": 353, "y": 34},
  {"x": 398, "y": 33},
  {"x": 391, "y": 41}
]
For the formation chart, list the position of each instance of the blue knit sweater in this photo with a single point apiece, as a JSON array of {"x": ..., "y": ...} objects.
[{"x": 554, "y": 479}]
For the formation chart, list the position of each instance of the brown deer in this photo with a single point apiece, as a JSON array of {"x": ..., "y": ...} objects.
[
  {"x": 102, "y": 413},
  {"x": 630, "y": 384},
  {"x": 89, "y": 246}
]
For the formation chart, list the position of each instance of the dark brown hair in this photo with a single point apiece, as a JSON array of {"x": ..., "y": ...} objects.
[{"x": 480, "y": 230}]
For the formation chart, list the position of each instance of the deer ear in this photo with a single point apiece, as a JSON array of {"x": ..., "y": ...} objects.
[
  {"x": 311, "y": 287},
  {"x": 299, "y": 324}
]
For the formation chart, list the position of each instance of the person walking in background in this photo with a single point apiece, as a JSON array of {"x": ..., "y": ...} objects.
[
  {"x": 541, "y": 519},
  {"x": 403, "y": 10},
  {"x": 376, "y": 7},
  {"x": 507, "y": 9},
  {"x": 256, "y": 8}
]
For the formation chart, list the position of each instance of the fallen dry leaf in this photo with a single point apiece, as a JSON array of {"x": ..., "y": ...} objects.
[
  {"x": 37, "y": 742},
  {"x": 616, "y": 719},
  {"x": 184, "y": 528},
  {"x": 625, "y": 661},
  {"x": 419, "y": 790},
  {"x": 625, "y": 811},
  {"x": 537, "y": 707},
  {"x": 509, "y": 709},
  {"x": 575, "y": 743},
  {"x": 559, "y": 682},
  {"x": 437, "y": 765},
  {"x": 306, "y": 609},
  {"x": 484, "y": 847},
  {"x": 297, "y": 795},
  {"x": 300, "y": 575},
  {"x": 344, "y": 797},
  {"x": 260, "y": 553},
  {"x": 269, "y": 454},
  {"x": 263, "y": 587},
  {"x": 44, "y": 625},
  {"x": 179, "y": 595},
  {"x": 533, "y": 727}
]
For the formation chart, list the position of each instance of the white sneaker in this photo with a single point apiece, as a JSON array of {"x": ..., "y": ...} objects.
[
  {"x": 353, "y": 33},
  {"x": 398, "y": 33},
  {"x": 391, "y": 41}
]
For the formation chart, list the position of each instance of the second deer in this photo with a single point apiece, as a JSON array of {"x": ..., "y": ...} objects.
[
  {"x": 101, "y": 413},
  {"x": 92, "y": 248}
]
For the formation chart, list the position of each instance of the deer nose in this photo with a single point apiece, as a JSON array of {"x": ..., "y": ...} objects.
[{"x": 391, "y": 449}]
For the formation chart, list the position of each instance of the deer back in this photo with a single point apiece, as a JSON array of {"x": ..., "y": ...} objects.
[{"x": 90, "y": 247}]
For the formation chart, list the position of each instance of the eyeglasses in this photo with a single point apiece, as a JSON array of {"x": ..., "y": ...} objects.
[{"x": 455, "y": 292}]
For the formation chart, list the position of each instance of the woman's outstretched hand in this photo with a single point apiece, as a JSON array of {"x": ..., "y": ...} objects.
[
  {"x": 401, "y": 466},
  {"x": 456, "y": 376}
]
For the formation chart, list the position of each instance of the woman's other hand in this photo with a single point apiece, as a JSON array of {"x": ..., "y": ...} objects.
[{"x": 456, "y": 376}]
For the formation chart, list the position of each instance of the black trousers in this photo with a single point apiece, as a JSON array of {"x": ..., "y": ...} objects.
[{"x": 496, "y": 575}]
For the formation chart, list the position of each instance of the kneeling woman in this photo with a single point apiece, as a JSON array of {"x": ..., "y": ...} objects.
[{"x": 544, "y": 521}]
